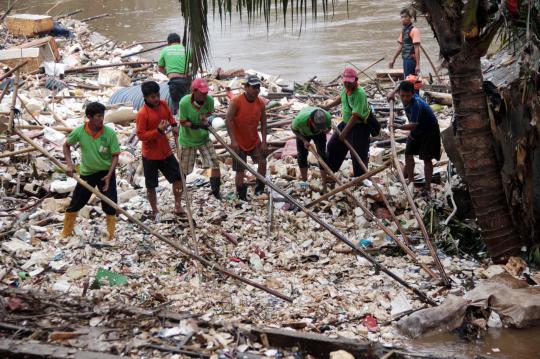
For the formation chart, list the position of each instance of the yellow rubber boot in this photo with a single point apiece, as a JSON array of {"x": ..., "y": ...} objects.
[
  {"x": 111, "y": 226},
  {"x": 69, "y": 223}
]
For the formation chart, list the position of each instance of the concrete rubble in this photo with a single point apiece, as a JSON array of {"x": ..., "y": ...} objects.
[{"x": 336, "y": 293}]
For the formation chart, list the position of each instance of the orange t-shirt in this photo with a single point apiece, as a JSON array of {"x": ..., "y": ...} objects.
[
  {"x": 155, "y": 145},
  {"x": 245, "y": 124}
]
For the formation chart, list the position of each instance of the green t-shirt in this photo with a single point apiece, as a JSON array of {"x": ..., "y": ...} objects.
[
  {"x": 188, "y": 112},
  {"x": 174, "y": 58},
  {"x": 356, "y": 102},
  {"x": 300, "y": 122},
  {"x": 97, "y": 151}
]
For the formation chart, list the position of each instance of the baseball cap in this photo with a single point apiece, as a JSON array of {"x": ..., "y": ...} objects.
[
  {"x": 349, "y": 74},
  {"x": 415, "y": 81},
  {"x": 319, "y": 119},
  {"x": 253, "y": 80},
  {"x": 200, "y": 84}
]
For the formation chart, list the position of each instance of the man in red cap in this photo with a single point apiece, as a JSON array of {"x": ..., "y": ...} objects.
[
  {"x": 193, "y": 136},
  {"x": 245, "y": 113},
  {"x": 355, "y": 110}
]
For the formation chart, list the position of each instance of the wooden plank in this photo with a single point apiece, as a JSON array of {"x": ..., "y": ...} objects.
[
  {"x": 29, "y": 24},
  {"x": 14, "y": 57},
  {"x": 316, "y": 344},
  {"x": 27, "y": 349}
]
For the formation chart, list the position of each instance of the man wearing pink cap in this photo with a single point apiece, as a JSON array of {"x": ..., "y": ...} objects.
[
  {"x": 353, "y": 127},
  {"x": 194, "y": 110}
]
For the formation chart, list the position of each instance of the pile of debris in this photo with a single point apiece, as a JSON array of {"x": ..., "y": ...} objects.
[{"x": 334, "y": 290}]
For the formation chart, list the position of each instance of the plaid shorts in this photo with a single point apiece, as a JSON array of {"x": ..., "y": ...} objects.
[{"x": 189, "y": 154}]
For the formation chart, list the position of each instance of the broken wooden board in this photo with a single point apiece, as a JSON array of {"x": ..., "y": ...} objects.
[
  {"x": 396, "y": 74},
  {"x": 47, "y": 46},
  {"x": 13, "y": 57},
  {"x": 316, "y": 344},
  {"x": 24, "y": 349},
  {"x": 29, "y": 24}
]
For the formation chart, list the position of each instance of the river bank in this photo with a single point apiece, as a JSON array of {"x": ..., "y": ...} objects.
[{"x": 335, "y": 292}]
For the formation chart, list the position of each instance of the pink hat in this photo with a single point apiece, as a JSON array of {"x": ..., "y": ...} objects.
[
  {"x": 200, "y": 84},
  {"x": 349, "y": 75}
]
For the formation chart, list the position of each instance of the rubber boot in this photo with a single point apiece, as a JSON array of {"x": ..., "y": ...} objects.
[
  {"x": 215, "y": 183},
  {"x": 111, "y": 225},
  {"x": 259, "y": 188},
  {"x": 69, "y": 223},
  {"x": 242, "y": 192}
]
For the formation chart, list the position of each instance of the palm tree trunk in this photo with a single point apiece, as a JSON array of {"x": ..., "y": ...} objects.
[{"x": 476, "y": 145}]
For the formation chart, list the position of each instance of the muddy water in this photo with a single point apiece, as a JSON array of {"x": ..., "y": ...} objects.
[
  {"x": 363, "y": 35},
  {"x": 497, "y": 343}
]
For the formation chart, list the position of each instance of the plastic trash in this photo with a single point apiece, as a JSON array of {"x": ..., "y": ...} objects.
[{"x": 113, "y": 278}]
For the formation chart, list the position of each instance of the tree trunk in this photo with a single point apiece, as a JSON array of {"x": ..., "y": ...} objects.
[{"x": 476, "y": 145}]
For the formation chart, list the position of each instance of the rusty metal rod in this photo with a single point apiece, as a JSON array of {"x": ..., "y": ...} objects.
[
  {"x": 432, "y": 249},
  {"x": 182, "y": 249},
  {"x": 322, "y": 223}
]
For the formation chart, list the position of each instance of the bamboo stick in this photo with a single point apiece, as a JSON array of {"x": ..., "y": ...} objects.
[
  {"x": 430, "y": 62},
  {"x": 187, "y": 199},
  {"x": 379, "y": 224},
  {"x": 354, "y": 153},
  {"x": 94, "y": 17},
  {"x": 39, "y": 127},
  {"x": 145, "y": 50},
  {"x": 436, "y": 259},
  {"x": 10, "y": 72},
  {"x": 27, "y": 110},
  {"x": 182, "y": 249},
  {"x": 354, "y": 182},
  {"x": 18, "y": 152},
  {"x": 322, "y": 223},
  {"x": 96, "y": 67},
  {"x": 13, "y": 103}
]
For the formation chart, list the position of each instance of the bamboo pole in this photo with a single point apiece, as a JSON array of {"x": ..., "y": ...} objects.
[
  {"x": 182, "y": 249},
  {"x": 379, "y": 224},
  {"x": 10, "y": 72},
  {"x": 96, "y": 67},
  {"x": 27, "y": 110},
  {"x": 354, "y": 182},
  {"x": 4, "y": 92},
  {"x": 322, "y": 223},
  {"x": 18, "y": 152},
  {"x": 145, "y": 50},
  {"x": 187, "y": 199},
  {"x": 431, "y": 62},
  {"x": 13, "y": 103},
  {"x": 436, "y": 259},
  {"x": 40, "y": 127},
  {"x": 354, "y": 153}
]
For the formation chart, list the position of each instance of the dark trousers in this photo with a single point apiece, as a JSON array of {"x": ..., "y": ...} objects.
[
  {"x": 358, "y": 137},
  {"x": 81, "y": 195},
  {"x": 178, "y": 88},
  {"x": 409, "y": 67},
  {"x": 320, "y": 144}
]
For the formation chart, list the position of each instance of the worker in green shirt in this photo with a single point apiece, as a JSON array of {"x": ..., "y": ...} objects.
[
  {"x": 173, "y": 62},
  {"x": 311, "y": 124},
  {"x": 193, "y": 135},
  {"x": 99, "y": 157},
  {"x": 353, "y": 127}
]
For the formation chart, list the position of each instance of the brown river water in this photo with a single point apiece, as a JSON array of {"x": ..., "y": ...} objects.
[
  {"x": 366, "y": 33},
  {"x": 362, "y": 36}
]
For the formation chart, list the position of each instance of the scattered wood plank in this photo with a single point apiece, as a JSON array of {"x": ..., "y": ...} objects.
[
  {"x": 29, "y": 25},
  {"x": 26, "y": 349}
]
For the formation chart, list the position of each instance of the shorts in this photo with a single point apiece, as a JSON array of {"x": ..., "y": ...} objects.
[
  {"x": 256, "y": 156},
  {"x": 189, "y": 154},
  {"x": 426, "y": 147},
  {"x": 169, "y": 167}
]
